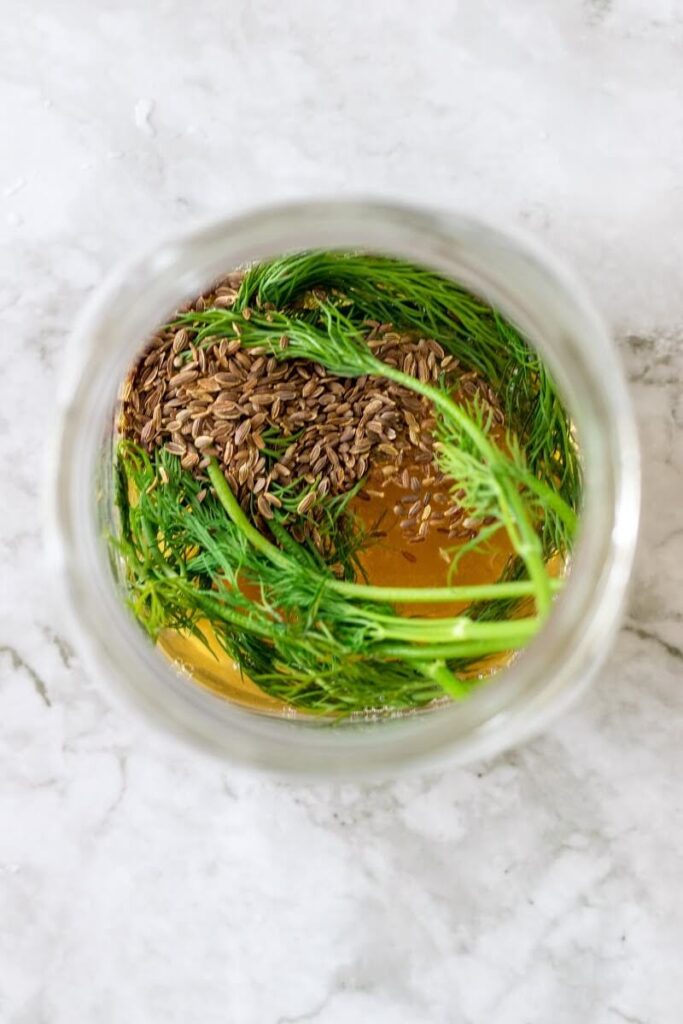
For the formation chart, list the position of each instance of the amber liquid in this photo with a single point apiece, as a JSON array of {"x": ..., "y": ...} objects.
[{"x": 389, "y": 561}]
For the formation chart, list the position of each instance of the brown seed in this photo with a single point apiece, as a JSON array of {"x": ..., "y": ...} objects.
[
  {"x": 306, "y": 503},
  {"x": 175, "y": 449},
  {"x": 263, "y": 507},
  {"x": 184, "y": 377},
  {"x": 209, "y": 384},
  {"x": 332, "y": 455},
  {"x": 242, "y": 431},
  {"x": 147, "y": 431},
  {"x": 180, "y": 340}
]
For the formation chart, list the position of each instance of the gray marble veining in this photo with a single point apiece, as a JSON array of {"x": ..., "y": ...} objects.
[{"x": 141, "y": 883}]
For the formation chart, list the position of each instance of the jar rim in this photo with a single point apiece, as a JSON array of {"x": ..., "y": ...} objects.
[{"x": 513, "y": 274}]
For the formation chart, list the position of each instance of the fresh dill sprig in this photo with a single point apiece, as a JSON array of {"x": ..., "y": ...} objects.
[
  {"x": 188, "y": 562},
  {"x": 417, "y": 299}
]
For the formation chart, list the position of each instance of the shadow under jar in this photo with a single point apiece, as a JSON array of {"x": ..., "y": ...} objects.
[{"x": 551, "y": 312}]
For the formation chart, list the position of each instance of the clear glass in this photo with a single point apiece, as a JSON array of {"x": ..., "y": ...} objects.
[{"x": 527, "y": 286}]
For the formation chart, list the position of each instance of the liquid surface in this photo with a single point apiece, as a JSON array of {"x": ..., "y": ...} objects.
[{"x": 386, "y": 564}]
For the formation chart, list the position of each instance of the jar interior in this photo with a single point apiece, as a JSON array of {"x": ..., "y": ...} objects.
[{"x": 198, "y": 656}]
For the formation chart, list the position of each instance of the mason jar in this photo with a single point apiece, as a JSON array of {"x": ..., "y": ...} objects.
[{"x": 514, "y": 276}]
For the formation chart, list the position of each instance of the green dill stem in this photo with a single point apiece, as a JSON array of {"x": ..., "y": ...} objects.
[
  {"x": 212, "y": 606},
  {"x": 459, "y": 628},
  {"x": 527, "y": 545},
  {"x": 398, "y": 595},
  {"x": 553, "y": 500},
  {"x": 439, "y": 672},
  {"x": 469, "y": 649},
  {"x": 449, "y": 636},
  {"x": 435, "y": 595},
  {"x": 232, "y": 507}
]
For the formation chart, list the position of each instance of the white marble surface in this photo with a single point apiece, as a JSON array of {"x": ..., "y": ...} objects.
[{"x": 139, "y": 883}]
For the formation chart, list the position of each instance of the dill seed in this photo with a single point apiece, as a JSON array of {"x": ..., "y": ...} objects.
[
  {"x": 264, "y": 507},
  {"x": 227, "y": 394},
  {"x": 242, "y": 431},
  {"x": 305, "y": 504}
]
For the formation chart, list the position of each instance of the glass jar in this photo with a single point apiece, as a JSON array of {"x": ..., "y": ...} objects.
[{"x": 515, "y": 277}]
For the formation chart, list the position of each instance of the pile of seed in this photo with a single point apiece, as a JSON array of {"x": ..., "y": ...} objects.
[{"x": 230, "y": 403}]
